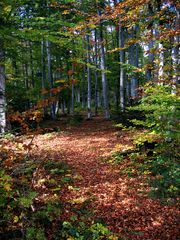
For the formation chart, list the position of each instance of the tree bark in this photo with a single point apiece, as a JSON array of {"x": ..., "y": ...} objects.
[
  {"x": 2, "y": 89},
  {"x": 43, "y": 76},
  {"x": 88, "y": 78},
  {"x": 103, "y": 71},
  {"x": 83, "y": 87},
  {"x": 32, "y": 65},
  {"x": 134, "y": 61},
  {"x": 50, "y": 77},
  {"x": 161, "y": 62},
  {"x": 175, "y": 55},
  {"x": 96, "y": 74},
  {"x": 122, "y": 71},
  {"x": 72, "y": 92}
]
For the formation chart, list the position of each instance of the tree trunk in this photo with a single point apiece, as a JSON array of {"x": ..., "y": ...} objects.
[
  {"x": 2, "y": 89},
  {"x": 83, "y": 87},
  {"x": 134, "y": 61},
  {"x": 103, "y": 72},
  {"x": 43, "y": 76},
  {"x": 122, "y": 71},
  {"x": 151, "y": 44},
  {"x": 50, "y": 78},
  {"x": 161, "y": 62},
  {"x": 78, "y": 95},
  {"x": 88, "y": 78},
  {"x": 175, "y": 55},
  {"x": 72, "y": 92},
  {"x": 150, "y": 57},
  {"x": 117, "y": 55},
  {"x": 96, "y": 74},
  {"x": 32, "y": 65}
]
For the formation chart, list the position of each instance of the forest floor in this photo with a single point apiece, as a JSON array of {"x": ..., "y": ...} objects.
[{"x": 106, "y": 192}]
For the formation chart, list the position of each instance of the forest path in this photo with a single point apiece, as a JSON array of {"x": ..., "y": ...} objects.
[{"x": 115, "y": 197}]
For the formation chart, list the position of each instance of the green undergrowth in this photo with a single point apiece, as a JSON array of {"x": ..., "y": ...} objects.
[
  {"x": 158, "y": 160},
  {"x": 156, "y": 142},
  {"x": 75, "y": 120}
]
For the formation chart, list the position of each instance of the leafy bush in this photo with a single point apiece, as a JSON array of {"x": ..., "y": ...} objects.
[
  {"x": 82, "y": 231},
  {"x": 20, "y": 214},
  {"x": 162, "y": 111}
]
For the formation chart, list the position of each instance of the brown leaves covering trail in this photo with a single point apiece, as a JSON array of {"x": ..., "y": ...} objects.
[{"x": 116, "y": 198}]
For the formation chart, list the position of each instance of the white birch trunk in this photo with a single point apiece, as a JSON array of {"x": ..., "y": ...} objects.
[
  {"x": 50, "y": 77},
  {"x": 83, "y": 87},
  {"x": 72, "y": 98},
  {"x": 161, "y": 62},
  {"x": 150, "y": 57},
  {"x": 134, "y": 61},
  {"x": 88, "y": 79},
  {"x": 122, "y": 71},
  {"x": 175, "y": 56},
  {"x": 43, "y": 76},
  {"x": 103, "y": 72},
  {"x": 2, "y": 90},
  {"x": 78, "y": 96},
  {"x": 96, "y": 74}
]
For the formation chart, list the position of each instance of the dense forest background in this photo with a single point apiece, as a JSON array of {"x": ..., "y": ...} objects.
[
  {"x": 77, "y": 60},
  {"x": 69, "y": 55}
]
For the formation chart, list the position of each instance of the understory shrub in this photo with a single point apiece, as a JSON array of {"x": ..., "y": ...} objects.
[{"x": 162, "y": 130}]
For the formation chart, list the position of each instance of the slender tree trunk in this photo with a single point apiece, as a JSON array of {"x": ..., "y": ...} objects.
[
  {"x": 117, "y": 86},
  {"x": 69, "y": 94},
  {"x": 72, "y": 92},
  {"x": 96, "y": 74},
  {"x": 150, "y": 44},
  {"x": 43, "y": 76},
  {"x": 26, "y": 83},
  {"x": 175, "y": 55},
  {"x": 50, "y": 77},
  {"x": 161, "y": 62},
  {"x": 88, "y": 78},
  {"x": 32, "y": 65},
  {"x": 26, "y": 76},
  {"x": 72, "y": 99},
  {"x": 134, "y": 61},
  {"x": 103, "y": 72},
  {"x": 134, "y": 81},
  {"x": 43, "y": 64},
  {"x": 2, "y": 89},
  {"x": 14, "y": 64},
  {"x": 122, "y": 71},
  {"x": 150, "y": 57},
  {"x": 78, "y": 95},
  {"x": 83, "y": 87}
]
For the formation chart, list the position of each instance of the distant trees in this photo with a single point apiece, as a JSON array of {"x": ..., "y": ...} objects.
[{"x": 90, "y": 53}]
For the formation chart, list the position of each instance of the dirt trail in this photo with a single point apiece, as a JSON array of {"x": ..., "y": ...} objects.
[{"x": 115, "y": 197}]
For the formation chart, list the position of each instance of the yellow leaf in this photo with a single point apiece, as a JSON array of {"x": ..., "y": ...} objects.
[
  {"x": 60, "y": 81},
  {"x": 16, "y": 219},
  {"x": 7, "y": 9},
  {"x": 7, "y": 187},
  {"x": 66, "y": 12},
  {"x": 68, "y": 175}
]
